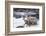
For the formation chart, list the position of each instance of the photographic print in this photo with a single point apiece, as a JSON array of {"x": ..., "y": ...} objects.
[{"x": 25, "y": 17}]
